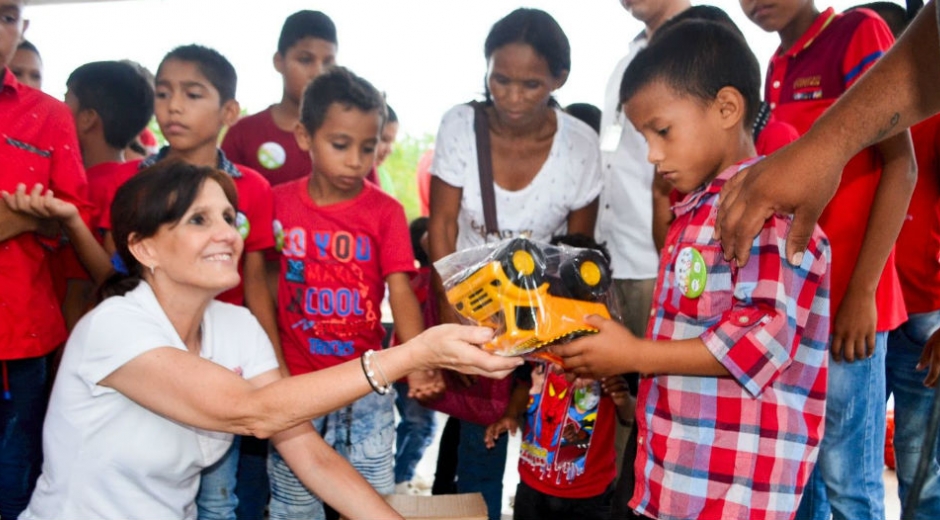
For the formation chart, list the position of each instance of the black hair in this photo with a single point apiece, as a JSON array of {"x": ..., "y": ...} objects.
[
  {"x": 697, "y": 58},
  {"x": 582, "y": 241},
  {"x": 586, "y": 112},
  {"x": 338, "y": 85},
  {"x": 537, "y": 29},
  {"x": 120, "y": 95},
  {"x": 893, "y": 14},
  {"x": 27, "y": 45},
  {"x": 305, "y": 24},
  {"x": 215, "y": 67},
  {"x": 154, "y": 197},
  {"x": 392, "y": 116},
  {"x": 418, "y": 228},
  {"x": 701, "y": 12}
]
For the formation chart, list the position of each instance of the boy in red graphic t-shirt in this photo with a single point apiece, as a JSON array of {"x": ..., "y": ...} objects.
[{"x": 343, "y": 241}]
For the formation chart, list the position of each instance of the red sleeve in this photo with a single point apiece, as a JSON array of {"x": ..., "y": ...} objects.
[
  {"x": 256, "y": 201},
  {"x": 67, "y": 178},
  {"x": 774, "y": 136},
  {"x": 396, "y": 254},
  {"x": 871, "y": 40}
]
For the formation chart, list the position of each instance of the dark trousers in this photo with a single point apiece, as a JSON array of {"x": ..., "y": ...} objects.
[
  {"x": 623, "y": 491},
  {"x": 21, "y": 415},
  {"x": 445, "y": 472},
  {"x": 534, "y": 505}
]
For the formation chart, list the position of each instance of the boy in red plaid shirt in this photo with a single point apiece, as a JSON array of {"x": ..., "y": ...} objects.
[{"x": 730, "y": 413}]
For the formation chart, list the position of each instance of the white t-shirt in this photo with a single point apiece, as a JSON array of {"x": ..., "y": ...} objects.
[
  {"x": 625, "y": 216},
  {"x": 569, "y": 180},
  {"x": 105, "y": 456}
]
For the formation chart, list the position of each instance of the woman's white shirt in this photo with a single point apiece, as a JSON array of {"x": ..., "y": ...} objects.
[
  {"x": 569, "y": 180},
  {"x": 105, "y": 456}
]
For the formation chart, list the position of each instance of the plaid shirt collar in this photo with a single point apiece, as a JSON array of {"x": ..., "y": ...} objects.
[
  {"x": 224, "y": 164},
  {"x": 695, "y": 198}
]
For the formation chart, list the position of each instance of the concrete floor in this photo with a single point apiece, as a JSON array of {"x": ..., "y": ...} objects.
[{"x": 425, "y": 470}]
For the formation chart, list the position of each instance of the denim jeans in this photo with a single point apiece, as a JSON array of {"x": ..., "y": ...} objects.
[
  {"x": 21, "y": 416},
  {"x": 848, "y": 477},
  {"x": 216, "y": 499},
  {"x": 480, "y": 469},
  {"x": 363, "y": 433},
  {"x": 912, "y": 404},
  {"x": 414, "y": 433},
  {"x": 253, "y": 489}
]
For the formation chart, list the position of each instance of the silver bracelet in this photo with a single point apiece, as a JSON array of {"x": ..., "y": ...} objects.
[{"x": 367, "y": 365}]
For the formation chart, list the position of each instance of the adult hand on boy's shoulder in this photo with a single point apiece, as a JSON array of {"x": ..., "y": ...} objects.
[
  {"x": 930, "y": 359},
  {"x": 598, "y": 355},
  {"x": 853, "y": 330},
  {"x": 791, "y": 181}
]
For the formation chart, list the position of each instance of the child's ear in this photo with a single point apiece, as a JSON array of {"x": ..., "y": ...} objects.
[
  {"x": 85, "y": 120},
  {"x": 561, "y": 80},
  {"x": 279, "y": 62},
  {"x": 230, "y": 112},
  {"x": 303, "y": 138},
  {"x": 731, "y": 106}
]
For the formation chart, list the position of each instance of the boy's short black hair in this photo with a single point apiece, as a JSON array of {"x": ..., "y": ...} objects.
[
  {"x": 392, "y": 117},
  {"x": 215, "y": 67},
  {"x": 700, "y": 12},
  {"x": 27, "y": 45},
  {"x": 338, "y": 85},
  {"x": 305, "y": 24},
  {"x": 417, "y": 229},
  {"x": 697, "y": 58},
  {"x": 121, "y": 96},
  {"x": 893, "y": 14},
  {"x": 586, "y": 112}
]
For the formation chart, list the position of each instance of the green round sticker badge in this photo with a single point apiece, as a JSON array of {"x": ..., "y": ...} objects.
[
  {"x": 271, "y": 155},
  {"x": 691, "y": 272},
  {"x": 242, "y": 225},
  {"x": 278, "y": 236}
]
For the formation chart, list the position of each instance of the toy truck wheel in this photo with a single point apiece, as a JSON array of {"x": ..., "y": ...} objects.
[
  {"x": 523, "y": 262},
  {"x": 587, "y": 275}
]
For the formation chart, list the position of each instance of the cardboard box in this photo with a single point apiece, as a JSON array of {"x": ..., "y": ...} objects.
[{"x": 468, "y": 506}]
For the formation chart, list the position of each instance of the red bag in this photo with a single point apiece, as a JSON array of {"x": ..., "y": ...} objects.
[{"x": 483, "y": 402}]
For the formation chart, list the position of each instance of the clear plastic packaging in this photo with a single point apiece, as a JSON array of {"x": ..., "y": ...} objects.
[{"x": 533, "y": 294}]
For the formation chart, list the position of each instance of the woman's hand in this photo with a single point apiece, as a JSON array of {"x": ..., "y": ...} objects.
[
  {"x": 456, "y": 347},
  {"x": 39, "y": 204}
]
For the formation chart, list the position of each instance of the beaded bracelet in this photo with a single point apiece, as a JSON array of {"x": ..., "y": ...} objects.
[{"x": 366, "y": 360}]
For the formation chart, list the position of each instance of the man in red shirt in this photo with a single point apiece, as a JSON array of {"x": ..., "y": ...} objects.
[
  {"x": 37, "y": 145},
  {"x": 821, "y": 55}
]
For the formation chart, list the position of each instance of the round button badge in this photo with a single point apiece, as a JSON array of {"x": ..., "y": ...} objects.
[
  {"x": 271, "y": 155},
  {"x": 242, "y": 225},
  {"x": 691, "y": 272}
]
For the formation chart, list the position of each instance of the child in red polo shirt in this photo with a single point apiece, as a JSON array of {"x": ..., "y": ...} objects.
[
  {"x": 37, "y": 145},
  {"x": 730, "y": 406},
  {"x": 820, "y": 56},
  {"x": 265, "y": 141},
  {"x": 110, "y": 103}
]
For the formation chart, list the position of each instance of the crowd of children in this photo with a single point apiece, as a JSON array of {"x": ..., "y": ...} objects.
[{"x": 733, "y": 391}]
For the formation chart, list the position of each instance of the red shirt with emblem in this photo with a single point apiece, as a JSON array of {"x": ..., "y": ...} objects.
[
  {"x": 334, "y": 263},
  {"x": 802, "y": 82},
  {"x": 258, "y": 143},
  {"x": 918, "y": 246},
  {"x": 37, "y": 145}
]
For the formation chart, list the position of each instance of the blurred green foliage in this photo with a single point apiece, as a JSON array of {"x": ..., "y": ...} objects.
[{"x": 397, "y": 174}]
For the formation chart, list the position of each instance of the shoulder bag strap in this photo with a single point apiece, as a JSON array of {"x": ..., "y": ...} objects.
[{"x": 481, "y": 129}]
